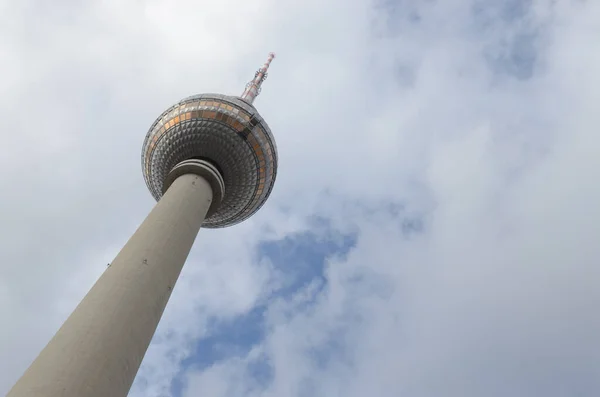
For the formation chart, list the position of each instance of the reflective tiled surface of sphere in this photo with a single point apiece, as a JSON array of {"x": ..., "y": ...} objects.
[{"x": 226, "y": 131}]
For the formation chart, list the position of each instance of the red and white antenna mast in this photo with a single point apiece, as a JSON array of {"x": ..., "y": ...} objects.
[{"x": 253, "y": 87}]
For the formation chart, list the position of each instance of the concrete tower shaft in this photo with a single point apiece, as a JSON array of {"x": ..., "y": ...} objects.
[{"x": 98, "y": 350}]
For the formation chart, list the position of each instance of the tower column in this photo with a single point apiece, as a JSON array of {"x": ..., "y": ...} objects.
[{"x": 98, "y": 350}]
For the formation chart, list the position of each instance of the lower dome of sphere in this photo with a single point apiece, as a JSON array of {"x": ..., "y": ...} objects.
[{"x": 229, "y": 133}]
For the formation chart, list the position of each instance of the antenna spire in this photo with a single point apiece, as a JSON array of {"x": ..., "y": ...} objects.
[{"x": 253, "y": 87}]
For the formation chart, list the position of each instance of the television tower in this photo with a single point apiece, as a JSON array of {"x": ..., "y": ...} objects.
[{"x": 209, "y": 160}]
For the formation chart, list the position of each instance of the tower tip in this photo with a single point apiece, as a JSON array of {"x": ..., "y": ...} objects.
[{"x": 253, "y": 88}]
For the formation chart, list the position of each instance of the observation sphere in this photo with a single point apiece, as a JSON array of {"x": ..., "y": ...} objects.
[{"x": 227, "y": 132}]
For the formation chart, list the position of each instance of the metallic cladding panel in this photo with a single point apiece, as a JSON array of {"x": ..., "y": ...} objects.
[{"x": 229, "y": 132}]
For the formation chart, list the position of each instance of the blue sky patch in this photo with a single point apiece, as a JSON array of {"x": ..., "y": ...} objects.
[{"x": 302, "y": 257}]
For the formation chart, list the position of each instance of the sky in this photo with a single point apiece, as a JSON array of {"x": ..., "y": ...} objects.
[{"x": 434, "y": 226}]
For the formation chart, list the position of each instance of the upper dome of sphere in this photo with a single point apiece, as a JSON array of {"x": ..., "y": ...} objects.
[{"x": 229, "y": 133}]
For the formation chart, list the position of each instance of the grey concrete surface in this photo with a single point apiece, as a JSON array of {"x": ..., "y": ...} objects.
[{"x": 98, "y": 350}]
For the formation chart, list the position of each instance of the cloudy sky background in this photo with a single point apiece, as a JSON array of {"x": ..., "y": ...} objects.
[{"x": 434, "y": 226}]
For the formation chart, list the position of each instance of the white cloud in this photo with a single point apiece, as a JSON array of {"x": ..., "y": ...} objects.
[
  {"x": 420, "y": 104},
  {"x": 497, "y": 296}
]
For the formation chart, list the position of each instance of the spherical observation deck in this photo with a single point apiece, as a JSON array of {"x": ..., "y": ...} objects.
[{"x": 225, "y": 131}]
